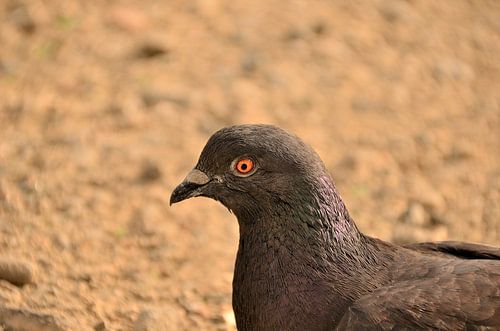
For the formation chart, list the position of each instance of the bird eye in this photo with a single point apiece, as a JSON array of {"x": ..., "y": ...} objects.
[{"x": 244, "y": 166}]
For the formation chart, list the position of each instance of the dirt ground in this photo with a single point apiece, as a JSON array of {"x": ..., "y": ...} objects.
[{"x": 105, "y": 106}]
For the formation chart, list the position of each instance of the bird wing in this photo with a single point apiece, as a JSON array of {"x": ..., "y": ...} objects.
[
  {"x": 459, "y": 249},
  {"x": 467, "y": 296}
]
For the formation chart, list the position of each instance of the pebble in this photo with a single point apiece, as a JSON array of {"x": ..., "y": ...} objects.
[
  {"x": 150, "y": 50},
  {"x": 26, "y": 320},
  {"x": 425, "y": 194},
  {"x": 416, "y": 214},
  {"x": 229, "y": 319},
  {"x": 249, "y": 63},
  {"x": 100, "y": 326},
  {"x": 157, "y": 319},
  {"x": 397, "y": 11},
  {"x": 150, "y": 99},
  {"x": 16, "y": 272},
  {"x": 149, "y": 173},
  {"x": 23, "y": 20},
  {"x": 452, "y": 69},
  {"x": 9, "y": 293}
]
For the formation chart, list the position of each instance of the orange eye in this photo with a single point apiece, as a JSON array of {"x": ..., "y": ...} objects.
[{"x": 244, "y": 166}]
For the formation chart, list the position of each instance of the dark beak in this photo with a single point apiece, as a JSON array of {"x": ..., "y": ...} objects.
[{"x": 190, "y": 186}]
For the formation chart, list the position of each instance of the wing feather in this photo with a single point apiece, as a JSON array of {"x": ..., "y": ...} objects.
[
  {"x": 459, "y": 249},
  {"x": 468, "y": 297}
]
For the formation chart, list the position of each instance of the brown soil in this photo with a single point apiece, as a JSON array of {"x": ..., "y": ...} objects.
[{"x": 105, "y": 106}]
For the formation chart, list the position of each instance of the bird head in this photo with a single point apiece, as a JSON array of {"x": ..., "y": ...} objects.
[{"x": 249, "y": 168}]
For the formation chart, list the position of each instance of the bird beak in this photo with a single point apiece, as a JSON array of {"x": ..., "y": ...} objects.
[{"x": 190, "y": 186}]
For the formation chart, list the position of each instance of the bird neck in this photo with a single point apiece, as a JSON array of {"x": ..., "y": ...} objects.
[
  {"x": 310, "y": 212},
  {"x": 297, "y": 251},
  {"x": 313, "y": 222}
]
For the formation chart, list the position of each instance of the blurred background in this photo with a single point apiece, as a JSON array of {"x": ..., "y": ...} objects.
[{"x": 106, "y": 105}]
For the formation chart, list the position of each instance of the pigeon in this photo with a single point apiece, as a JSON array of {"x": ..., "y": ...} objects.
[{"x": 302, "y": 263}]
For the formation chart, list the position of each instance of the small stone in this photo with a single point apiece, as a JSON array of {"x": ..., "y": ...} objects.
[
  {"x": 26, "y": 320},
  {"x": 15, "y": 272},
  {"x": 249, "y": 63},
  {"x": 146, "y": 321},
  {"x": 416, "y": 215},
  {"x": 424, "y": 193},
  {"x": 84, "y": 277},
  {"x": 459, "y": 152},
  {"x": 149, "y": 173},
  {"x": 61, "y": 241},
  {"x": 229, "y": 318},
  {"x": 23, "y": 20},
  {"x": 150, "y": 50},
  {"x": 137, "y": 224},
  {"x": 319, "y": 28},
  {"x": 405, "y": 233},
  {"x": 9, "y": 292},
  {"x": 192, "y": 305},
  {"x": 394, "y": 11},
  {"x": 100, "y": 326},
  {"x": 158, "y": 319},
  {"x": 150, "y": 99},
  {"x": 293, "y": 34},
  {"x": 452, "y": 69}
]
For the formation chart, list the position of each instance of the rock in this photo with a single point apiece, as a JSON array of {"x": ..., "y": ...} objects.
[
  {"x": 157, "y": 319},
  {"x": 23, "y": 20},
  {"x": 9, "y": 292},
  {"x": 394, "y": 11},
  {"x": 452, "y": 69},
  {"x": 150, "y": 50},
  {"x": 150, "y": 99},
  {"x": 319, "y": 28},
  {"x": 416, "y": 215},
  {"x": 100, "y": 326},
  {"x": 459, "y": 151},
  {"x": 249, "y": 63},
  {"x": 293, "y": 34},
  {"x": 422, "y": 192},
  {"x": 26, "y": 320},
  {"x": 147, "y": 321},
  {"x": 419, "y": 224},
  {"x": 193, "y": 305},
  {"x": 229, "y": 319},
  {"x": 149, "y": 173},
  {"x": 137, "y": 224},
  {"x": 61, "y": 241},
  {"x": 15, "y": 272}
]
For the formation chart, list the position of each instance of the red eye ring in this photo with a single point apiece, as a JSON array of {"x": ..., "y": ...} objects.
[{"x": 244, "y": 166}]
